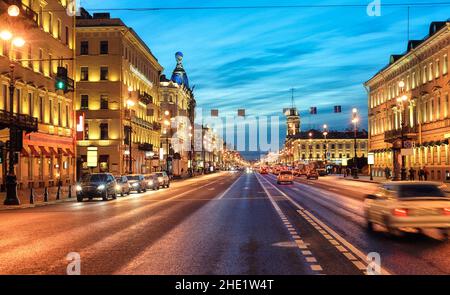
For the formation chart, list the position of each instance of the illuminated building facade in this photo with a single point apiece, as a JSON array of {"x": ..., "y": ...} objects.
[
  {"x": 336, "y": 148},
  {"x": 117, "y": 88},
  {"x": 48, "y": 155},
  {"x": 409, "y": 99}
]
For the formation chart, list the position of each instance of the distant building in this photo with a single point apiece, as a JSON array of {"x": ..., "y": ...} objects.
[
  {"x": 336, "y": 147},
  {"x": 117, "y": 88},
  {"x": 414, "y": 90}
]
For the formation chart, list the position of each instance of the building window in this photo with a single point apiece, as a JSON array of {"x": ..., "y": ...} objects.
[
  {"x": 104, "y": 73},
  {"x": 51, "y": 111},
  {"x": 41, "y": 109},
  {"x": 84, "y": 74},
  {"x": 445, "y": 65},
  {"x": 104, "y": 131},
  {"x": 5, "y": 96},
  {"x": 59, "y": 114},
  {"x": 104, "y": 102},
  {"x": 41, "y": 62},
  {"x": 67, "y": 116},
  {"x": 59, "y": 28},
  {"x": 437, "y": 68},
  {"x": 424, "y": 75},
  {"x": 104, "y": 47},
  {"x": 30, "y": 104},
  {"x": 413, "y": 80},
  {"x": 446, "y": 105},
  {"x": 84, "y": 102},
  {"x": 86, "y": 131},
  {"x": 84, "y": 48},
  {"x": 67, "y": 37},
  {"x": 50, "y": 23},
  {"x": 430, "y": 72}
]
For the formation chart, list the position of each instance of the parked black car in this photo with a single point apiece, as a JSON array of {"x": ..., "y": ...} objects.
[
  {"x": 97, "y": 185},
  {"x": 137, "y": 183}
]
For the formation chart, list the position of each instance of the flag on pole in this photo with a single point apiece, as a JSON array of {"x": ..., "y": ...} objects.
[{"x": 337, "y": 109}]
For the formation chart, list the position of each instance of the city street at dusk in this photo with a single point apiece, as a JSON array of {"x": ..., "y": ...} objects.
[
  {"x": 223, "y": 147},
  {"x": 227, "y": 223}
]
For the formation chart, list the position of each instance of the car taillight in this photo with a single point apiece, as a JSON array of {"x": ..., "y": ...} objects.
[
  {"x": 400, "y": 212},
  {"x": 446, "y": 211}
]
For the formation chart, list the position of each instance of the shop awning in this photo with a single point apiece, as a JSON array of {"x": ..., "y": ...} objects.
[
  {"x": 61, "y": 151},
  {"x": 45, "y": 153},
  {"x": 53, "y": 152},
  {"x": 69, "y": 151},
  {"x": 24, "y": 153},
  {"x": 34, "y": 152}
]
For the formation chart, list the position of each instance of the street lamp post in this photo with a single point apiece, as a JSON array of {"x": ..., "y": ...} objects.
[
  {"x": 355, "y": 130},
  {"x": 130, "y": 104},
  {"x": 401, "y": 103},
  {"x": 325, "y": 134},
  {"x": 11, "y": 178},
  {"x": 168, "y": 133},
  {"x": 310, "y": 146}
]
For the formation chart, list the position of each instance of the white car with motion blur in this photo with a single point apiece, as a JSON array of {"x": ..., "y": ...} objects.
[{"x": 409, "y": 205}]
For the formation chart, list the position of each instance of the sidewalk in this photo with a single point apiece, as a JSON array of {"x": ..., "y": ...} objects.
[
  {"x": 38, "y": 193},
  {"x": 365, "y": 178}
]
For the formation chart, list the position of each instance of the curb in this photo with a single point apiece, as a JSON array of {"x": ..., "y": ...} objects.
[
  {"x": 361, "y": 180},
  {"x": 40, "y": 204}
]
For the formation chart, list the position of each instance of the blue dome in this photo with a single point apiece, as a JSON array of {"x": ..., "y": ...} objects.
[{"x": 179, "y": 75}]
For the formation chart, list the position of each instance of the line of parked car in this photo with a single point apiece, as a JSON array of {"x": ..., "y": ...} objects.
[{"x": 105, "y": 185}]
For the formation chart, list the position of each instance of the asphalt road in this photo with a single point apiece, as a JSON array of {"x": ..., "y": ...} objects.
[{"x": 224, "y": 223}]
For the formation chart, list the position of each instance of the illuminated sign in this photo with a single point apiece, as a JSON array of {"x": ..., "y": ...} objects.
[
  {"x": 370, "y": 158},
  {"x": 92, "y": 156}
]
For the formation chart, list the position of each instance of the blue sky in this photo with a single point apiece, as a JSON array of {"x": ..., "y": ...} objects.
[{"x": 252, "y": 58}]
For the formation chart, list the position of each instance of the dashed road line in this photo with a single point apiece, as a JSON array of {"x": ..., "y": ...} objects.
[
  {"x": 229, "y": 188},
  {"x": 356, "y": 256},
  {"x": 309, "y": 257}
]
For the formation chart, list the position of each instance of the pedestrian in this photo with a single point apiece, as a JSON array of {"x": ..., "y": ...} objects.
[
  {"x": 425, "y": 173},
  {"x": 387, "y": 172},
  {"x": 421, "y": 174},
  {"x": 412, "y": 173}
]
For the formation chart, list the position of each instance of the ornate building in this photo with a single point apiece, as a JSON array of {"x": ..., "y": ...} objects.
[
  {"x": 117, "y": 99},
  {"x": 335, "y": 147},
  {"x": 47, "y": 30},
  {"x": 178, "y": 109},
  {"x": 409, "y": 108}
]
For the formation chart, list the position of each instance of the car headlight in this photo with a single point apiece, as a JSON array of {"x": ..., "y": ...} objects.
[
  {"x": 160, "y": 179},
  {"x": 101, "y": 187},
  {"x": 135, "y": 184},
  {"x": 118, "y": 187},
  {"x": 150, "y": 182},
  {"x": 79, "y": 188}
]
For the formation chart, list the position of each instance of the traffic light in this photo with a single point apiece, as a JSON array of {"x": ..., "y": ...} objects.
[{"x": 61, "y": 80}]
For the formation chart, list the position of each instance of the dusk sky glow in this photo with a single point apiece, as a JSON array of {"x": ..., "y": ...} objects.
[{"x": 251, "y": 58}]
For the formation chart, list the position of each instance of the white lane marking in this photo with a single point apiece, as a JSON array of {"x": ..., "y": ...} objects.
[
  {"x": 309, "y": 258},
  {"x": 335, "y": 235},
  {"x": 229, "y": 188}
]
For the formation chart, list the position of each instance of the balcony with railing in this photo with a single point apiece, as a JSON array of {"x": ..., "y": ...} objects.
[
  {"x": 21, "y": 121},
  {"x": 408, "y": 132}
]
